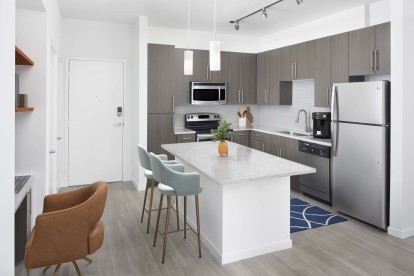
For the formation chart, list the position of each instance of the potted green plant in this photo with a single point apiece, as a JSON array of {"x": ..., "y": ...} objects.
[{"x": 222, "y": 133}]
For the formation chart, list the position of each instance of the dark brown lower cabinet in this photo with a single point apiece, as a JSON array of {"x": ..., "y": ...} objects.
[
  {"x": 185, "y": 138},
  {"x": 160, "y": 131},
  {"x": 241, "y": 137}
]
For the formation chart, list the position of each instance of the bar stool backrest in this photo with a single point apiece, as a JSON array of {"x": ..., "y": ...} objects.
[{"x": 144, "y": 158}]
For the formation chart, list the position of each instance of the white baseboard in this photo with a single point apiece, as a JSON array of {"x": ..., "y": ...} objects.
[
  {"x": 138, "y": 187},
  {"x": 401, "y": 234},
  {"x": 253, "y": 252}
]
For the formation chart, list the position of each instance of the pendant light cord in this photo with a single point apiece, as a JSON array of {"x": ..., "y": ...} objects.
[
  {"x": 188, "y": 25},
  {"x": 214, "y": 20}
]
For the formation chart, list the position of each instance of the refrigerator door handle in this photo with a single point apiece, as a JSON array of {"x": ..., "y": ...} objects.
[{"x": 334, "y": 125}]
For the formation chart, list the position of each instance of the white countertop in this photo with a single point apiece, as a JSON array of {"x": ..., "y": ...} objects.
[
  {"x": 183, "y": 130},
  {"x": 274, "y": 131},
  {"x": 242, "y": 165},
  {"x": 18, "y": 198}
]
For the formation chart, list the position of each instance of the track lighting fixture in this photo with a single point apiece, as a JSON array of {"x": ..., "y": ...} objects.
[
  {"x": 237, "y": 26},
  {"x": 263, "y": 10},
  {"x": 299, "y": 1},
  {"x": 264, "y": 13}
]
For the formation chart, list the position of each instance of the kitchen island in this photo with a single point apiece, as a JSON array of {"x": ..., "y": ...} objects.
[{"x": 245, "y": 203}]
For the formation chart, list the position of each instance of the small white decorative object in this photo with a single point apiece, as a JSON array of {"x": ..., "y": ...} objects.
[{"x": 242, "y": 122}]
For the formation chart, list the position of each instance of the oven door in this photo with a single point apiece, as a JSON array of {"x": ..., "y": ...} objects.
[
  {"x": 208, "y": 93},
  {"x": 204, "y": 137}
]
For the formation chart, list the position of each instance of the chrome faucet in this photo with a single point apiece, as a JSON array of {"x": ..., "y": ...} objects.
[{"x": 307, "y": 119}]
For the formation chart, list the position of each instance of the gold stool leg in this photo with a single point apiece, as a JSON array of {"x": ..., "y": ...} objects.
[
  {"x": 46, "y": 268},
  {"x": 150, "y": 204},
  {"x": 176, "y": 206},
  {"x": 77, "y": 268},
  {"x": 145, "y": 201},
  {"x": 185, "y": 217},
  {"x": 167, "y": 221},
  {"x": 88, "y": 260},
  {"x": 56, "y": 269},
  {"x": 158, "y": 219},
  {"x": 198, "y": 225}
]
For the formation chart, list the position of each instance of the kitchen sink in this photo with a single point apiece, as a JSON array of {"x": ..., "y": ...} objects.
[{"x": 293, "y": 133}]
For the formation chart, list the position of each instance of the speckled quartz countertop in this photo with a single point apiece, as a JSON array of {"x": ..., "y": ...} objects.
[
  {"x": 274, "y": 131},
  {"x": 242, "y": 165},
  {"x": 183, "y": 130}
]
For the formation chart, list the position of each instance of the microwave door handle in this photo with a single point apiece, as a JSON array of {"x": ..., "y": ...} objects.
[{"x": 219, "y": 93}]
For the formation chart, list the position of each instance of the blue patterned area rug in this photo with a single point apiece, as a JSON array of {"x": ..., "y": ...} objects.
[{"x": 304, "y": 216}]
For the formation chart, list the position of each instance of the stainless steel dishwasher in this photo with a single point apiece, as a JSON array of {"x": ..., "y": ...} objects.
[{"x": 319, "y": 157}]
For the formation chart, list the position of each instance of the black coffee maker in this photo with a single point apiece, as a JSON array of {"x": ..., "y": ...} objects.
[{"x": 321, "y": 125}]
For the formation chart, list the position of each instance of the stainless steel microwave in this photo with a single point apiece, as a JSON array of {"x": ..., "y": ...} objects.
[{"x": 208, "y": 93}]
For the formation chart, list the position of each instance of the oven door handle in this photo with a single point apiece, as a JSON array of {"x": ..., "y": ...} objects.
[{"x": 219, "y": 97}]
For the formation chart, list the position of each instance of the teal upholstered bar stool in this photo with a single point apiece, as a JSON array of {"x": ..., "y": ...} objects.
[
  {"x": 144, "y": 160},
  {"x": 174, "y": 182}
]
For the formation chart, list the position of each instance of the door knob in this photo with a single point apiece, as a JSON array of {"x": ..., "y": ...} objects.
[
  {"x": 52, "y": 151},
  {"x": 118, "y": 124}
]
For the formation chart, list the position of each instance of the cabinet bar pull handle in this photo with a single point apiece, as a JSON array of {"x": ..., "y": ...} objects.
[
  {"x": 242, "y": 96},
  {"x": 328, "y": 95},
  {"x": 372, "y": 61},
  {"x": 293, "y": 70},
  {"x": 239, "y": 95},
  {"x": 208, "y": 69},
  {"x": 296, "y": 70},
  {"x": 377, "y": 60},
  {"x": 173, "y": 103},
  {"x": 265, "y": 95},
  {"x": 185, "y": 138}
]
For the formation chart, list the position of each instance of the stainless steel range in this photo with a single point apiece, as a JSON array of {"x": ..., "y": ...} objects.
[{"x": 202, "y": 124}]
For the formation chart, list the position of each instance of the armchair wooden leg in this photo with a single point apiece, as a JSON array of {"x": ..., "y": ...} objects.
[
  {"x": 185, "y": 217},
  {"x": 150, "y": 204},
  {"x": 167, "y": 221},
  {"x": 46, "y": 268},
  {"x": 77, "y": 268},
  {"x": 145, "y": 201},
  {"x": 158, "y": 219},
  {"x": 176, "y": 207},
  {"x": 198, "y": 225},
  {"x": 56, "y": 269},
  {"x": 88, "y": 260}
]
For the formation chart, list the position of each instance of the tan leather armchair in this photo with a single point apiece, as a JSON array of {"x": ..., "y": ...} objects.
[{"x": 69, "y": 229}]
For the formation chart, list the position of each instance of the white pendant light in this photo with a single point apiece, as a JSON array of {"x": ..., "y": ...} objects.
[
  {"x": 188, "y": 55},
  {"x": 215, "y": 48}
]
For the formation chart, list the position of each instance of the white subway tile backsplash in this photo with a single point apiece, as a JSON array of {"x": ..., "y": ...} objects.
[{"x": 280, "y": 116}]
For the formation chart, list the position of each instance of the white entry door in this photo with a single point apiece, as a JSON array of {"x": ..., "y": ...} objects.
[{"x": 95, "y": 126}]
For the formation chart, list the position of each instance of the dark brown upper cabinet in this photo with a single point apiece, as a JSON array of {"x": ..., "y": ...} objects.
[
  {"x": 160, "y": 78},
  {"x": 370, "y": 50},
  {"x": 240, "y": 76},
  {"x": 331, "y": 66},
  {"x": 270, "y": 89},
  {"x": 298, "y": 61}
]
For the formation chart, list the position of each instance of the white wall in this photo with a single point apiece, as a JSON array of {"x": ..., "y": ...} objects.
[
  {"x": 7, "y": 121},
  {"x": 31, "y": 127},
  {"x": 402, "y": 112},
  {"x": 139, "y": 117},
  {"x": 104, "y": 40},
  {"x": 345, "y": 21},
  {"x": 200, "y": 40}
]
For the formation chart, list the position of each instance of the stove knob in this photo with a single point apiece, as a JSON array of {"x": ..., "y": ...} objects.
[
  {"x": 188, "y": 117},
  {"x": 191, "y": 117}
]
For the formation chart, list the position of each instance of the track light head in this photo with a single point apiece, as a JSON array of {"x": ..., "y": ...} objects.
[
  {"x": 299, "y": 1},
  {"x": 236, "y": 26},
  {"x": 264, "y": 14}
]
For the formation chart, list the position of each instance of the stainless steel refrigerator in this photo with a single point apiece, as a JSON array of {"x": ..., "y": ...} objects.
[{"x": 360, "y": 150}]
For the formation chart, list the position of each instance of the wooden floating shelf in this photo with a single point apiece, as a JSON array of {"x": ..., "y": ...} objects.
[
  {"x": 22, "y": 58},
  {"x": 24, "y": 109}
]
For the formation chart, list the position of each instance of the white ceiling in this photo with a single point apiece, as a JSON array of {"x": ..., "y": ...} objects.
[{"x": 173, "y": 13}]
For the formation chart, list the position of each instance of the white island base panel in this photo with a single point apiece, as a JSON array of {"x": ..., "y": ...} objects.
[{"x": 242, "y": 220}]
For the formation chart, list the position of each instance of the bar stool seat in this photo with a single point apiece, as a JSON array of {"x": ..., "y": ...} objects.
[{"x": 174, "y": 182}]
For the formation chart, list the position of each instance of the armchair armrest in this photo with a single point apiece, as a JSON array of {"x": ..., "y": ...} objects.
[{"x": 59, "y": 237}]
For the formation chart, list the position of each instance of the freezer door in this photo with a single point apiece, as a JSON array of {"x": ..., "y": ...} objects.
[
  {"x": 360, "y": 172},
  {"x": 361, "y": 102}
]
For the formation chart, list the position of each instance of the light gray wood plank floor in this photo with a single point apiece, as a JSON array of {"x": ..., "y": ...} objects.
[{"x": 348, "y": 248}]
